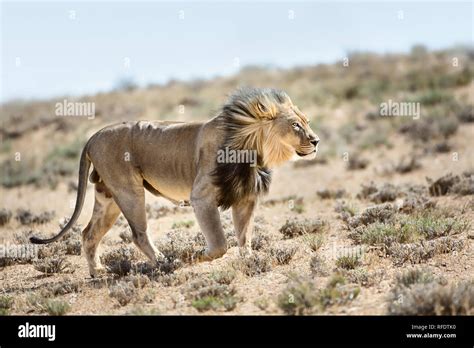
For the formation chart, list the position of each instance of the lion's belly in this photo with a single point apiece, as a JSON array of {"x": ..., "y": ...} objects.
[
  {"x": 175, "y": 191},
  {"x": 166, "y": 157}
]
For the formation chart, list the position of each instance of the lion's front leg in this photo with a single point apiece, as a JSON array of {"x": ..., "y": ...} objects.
[
  {"x": 207, "y": 215},
  {"x": 242, "y": 215}
]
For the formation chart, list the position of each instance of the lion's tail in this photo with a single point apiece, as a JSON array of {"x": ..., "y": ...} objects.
[{"x": 84, "y": 166}]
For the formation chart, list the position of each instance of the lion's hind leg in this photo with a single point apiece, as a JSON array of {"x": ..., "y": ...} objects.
[
  {"x": 131, "y": 201},
  {"x": 104, "y": 216}
]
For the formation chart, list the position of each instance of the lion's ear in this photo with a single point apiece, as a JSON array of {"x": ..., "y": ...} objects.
[{"x": 263, "y": 111}]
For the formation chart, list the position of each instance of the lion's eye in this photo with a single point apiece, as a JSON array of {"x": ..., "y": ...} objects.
[{"x": 296, "y": 125}]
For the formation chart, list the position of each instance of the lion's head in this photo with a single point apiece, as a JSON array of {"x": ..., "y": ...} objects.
[{"x": 266, "y": 120}]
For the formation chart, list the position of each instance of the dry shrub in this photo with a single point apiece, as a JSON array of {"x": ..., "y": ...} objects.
[
  {"x": 283, "y": 254},
  {"x": 124, "y": 292},
  {"x": 361, "y": 276},
  {"x": 138, "y": 280},
  {"x": 348, "y": 262},
  {"x": 433, "y": 299},
  {"x": 50, "y": 250},
  {"x": 407, "y": 164},
  {"x": 223, "y": 276},
  {"x": 452, "y": 184},
  {"x": 441, "y": 147},
  {"x": 182, "y": 224},
  {"x": 178, "y": 245},
  {"x": 345, "y": 210},
  {"x": 301, "y": 296},
  {"x": 441, "y": 186},
  {"x": 119, "y": 261},
  {"x": 331, "y": 194},
  {"x": 402, "y": 228},
  {"x": 421, "y": 251},
  {"x": 414, "y": 203},
  {"x": 388, "y": 192},
  {"x": 64, "y": 287},
  {"x": 414, "y": 276},
  {"x": 54, "y": 264},
  {"x": 318, "y": 266},
  {"x": 254, "y": 264},
  {"x": 26, "y": 217},
  {"x": 57, "y": 307},
  {"x": 465, "y": 186},
  {"x": 207, "y": 294},
  {"x": 337, "y": 292},
  {"x": 466, "y": 114},
  {"x": 377, "y": 213},
  {"x": 261, "y": 241},
  {"x": 313, "y": 241},
  {"x": 72, "y": 241},
  {"x": 176, "y": 279},
  {"x": 357, "y": 162},
  {"x": 6, "y": 303},
  {"x": 297, "y": 227},
  {"x": 5, "y": 216}
]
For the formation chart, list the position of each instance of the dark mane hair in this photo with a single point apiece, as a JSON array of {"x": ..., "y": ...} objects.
[{"x": 246, "y": 119}]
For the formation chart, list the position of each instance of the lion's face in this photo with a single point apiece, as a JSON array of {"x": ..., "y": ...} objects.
[
  {"x": 296, "y": 133},
  {"x": 266, "y": 120}
]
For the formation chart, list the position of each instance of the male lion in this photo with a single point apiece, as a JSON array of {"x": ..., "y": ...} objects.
[{"x": 178, "y": 161}]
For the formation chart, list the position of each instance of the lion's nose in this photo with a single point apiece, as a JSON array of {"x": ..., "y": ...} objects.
[{"x": 314, "y": 142}]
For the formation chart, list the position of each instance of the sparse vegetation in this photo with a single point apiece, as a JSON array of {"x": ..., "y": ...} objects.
[
  {"x": 208, "y": 295},
  {"x": 301, "y": 296},
  {"x": 119, "y": 261},
  {"x": 183, "y": 224},
  {"x": 54, "y": 264},
  {"x": 6, "y": 303},
  {"x": 297, "y": 227},
  {"x": 430, "y": 298},
  {"x": 254, "y": 264},
  {"x": 5, "y": 216},
  {"x": 409, "y": 229},
  {"x": 56, "y": 307},
  {"x": 283, "y": 254},
  {"x": 124, "y": 292},
  {"x": 366, "y": 187},
  {"x": 331, "y": 194},
  {"x": 348, "y": 261},
  {"x": 26, "y": 217},
  {"x": 318, "y": 266},
  {"x": 313, "y": 241}
]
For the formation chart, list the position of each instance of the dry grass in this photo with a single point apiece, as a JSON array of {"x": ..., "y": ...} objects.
[
  {"x": 298, "y": 227},
  {"x": 254, "y": 264},
  {"x": 314, "y": 211},
  {"x": 301, "y": 297},
  {"x": 54, "y": 264},
  {"x": 431, "y": 298},
  {"x": 206, "y": 294}
]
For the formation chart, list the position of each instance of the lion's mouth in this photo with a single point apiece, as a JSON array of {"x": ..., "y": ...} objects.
[{"x": 301, "y": 154}]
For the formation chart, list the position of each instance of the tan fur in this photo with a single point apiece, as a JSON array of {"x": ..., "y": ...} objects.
[{"x": 175, "y": 160}]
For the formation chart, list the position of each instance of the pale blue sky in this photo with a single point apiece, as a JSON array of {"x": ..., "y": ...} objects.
[{"x": 63, "y": 56}]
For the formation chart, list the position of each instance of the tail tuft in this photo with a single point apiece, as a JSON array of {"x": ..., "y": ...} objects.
[{"x": 36, "y": 240}]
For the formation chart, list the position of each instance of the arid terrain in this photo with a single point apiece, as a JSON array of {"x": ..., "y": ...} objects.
[{"x": 379, "y": 223}]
